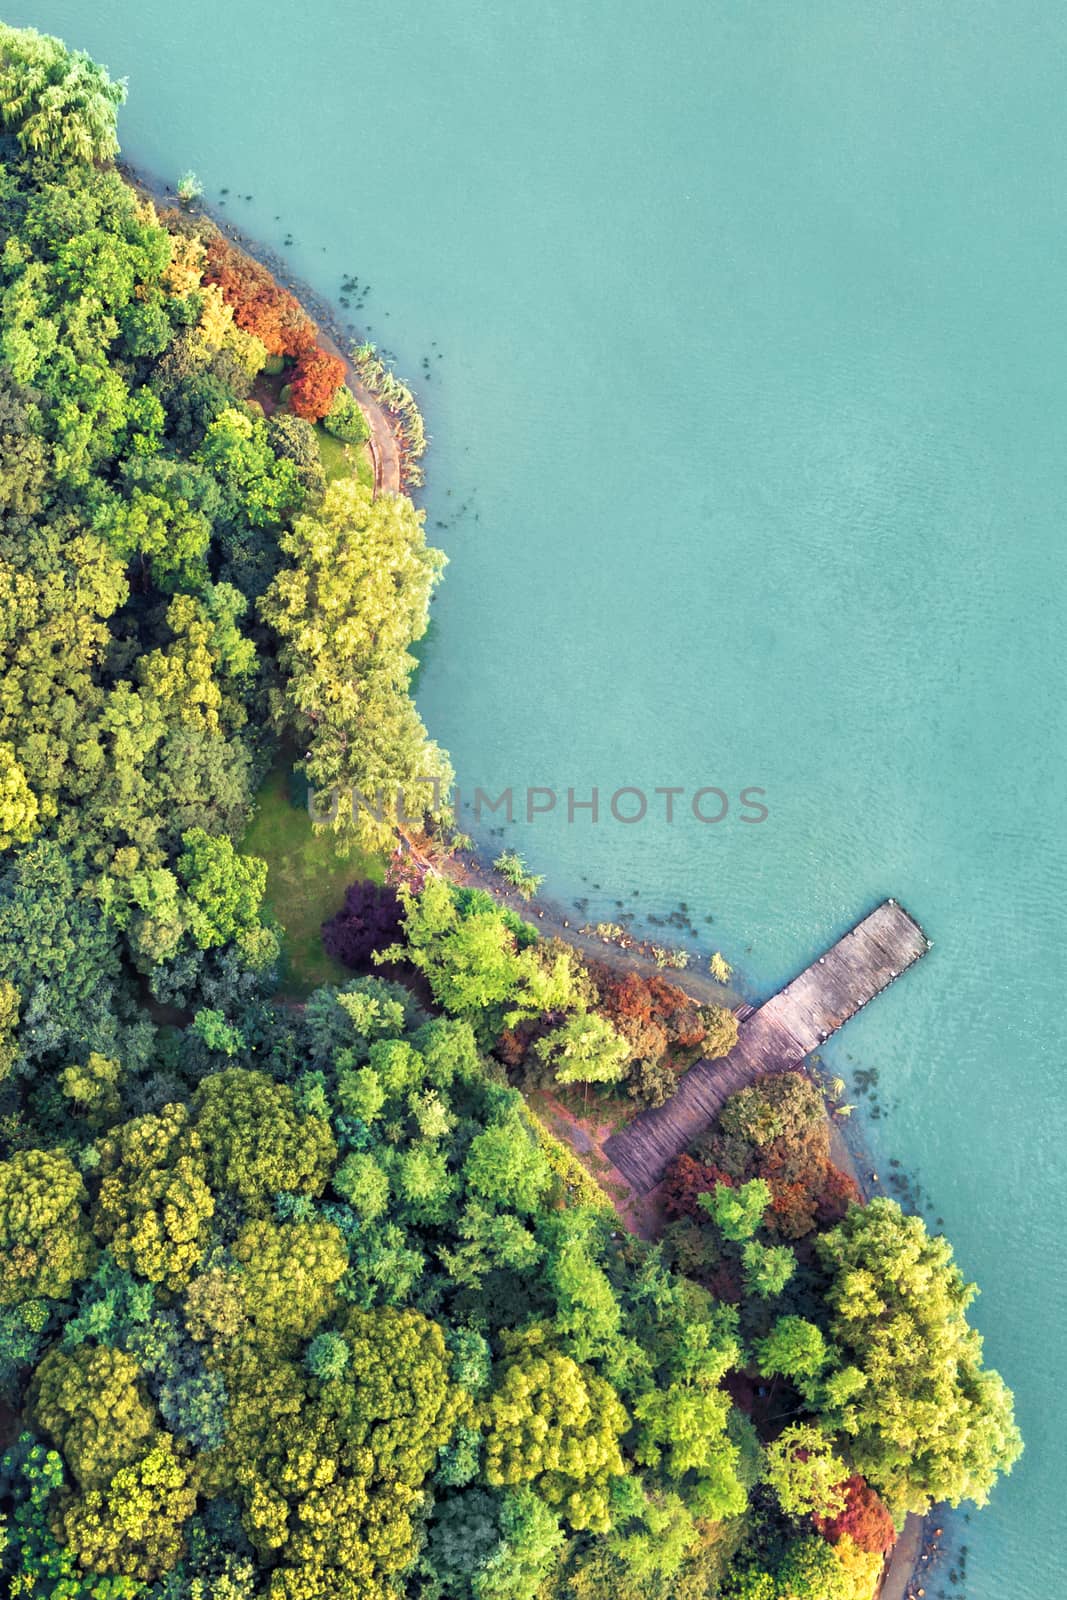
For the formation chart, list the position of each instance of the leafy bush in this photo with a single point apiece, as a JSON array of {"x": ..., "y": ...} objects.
[
  {"x": 514, "y": 870},
  {"x": 346, "y": 419}
]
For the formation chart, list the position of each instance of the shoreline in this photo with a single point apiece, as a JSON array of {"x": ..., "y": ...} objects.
[
  {"x": 902, "y": 1571},
  {"x": 334, "y": 335}
]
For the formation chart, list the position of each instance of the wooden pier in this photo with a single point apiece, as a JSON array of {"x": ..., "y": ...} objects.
[{"x": 776, "y": 1036}]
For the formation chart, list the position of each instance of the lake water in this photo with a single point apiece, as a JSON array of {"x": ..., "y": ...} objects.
[{"x": 745, "y": 330}]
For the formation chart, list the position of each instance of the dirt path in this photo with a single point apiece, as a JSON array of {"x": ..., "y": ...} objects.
[
  {"x": 385, "y": 452},
  {"x": 640, "y": 1214},
  {"x": 899, "y": 1579}
]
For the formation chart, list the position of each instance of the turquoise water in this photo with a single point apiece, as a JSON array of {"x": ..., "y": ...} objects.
[{"x": 746, "y": 333}]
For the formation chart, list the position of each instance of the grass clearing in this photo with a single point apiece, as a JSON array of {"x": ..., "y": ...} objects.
[
  {"x": 306, "y": 878},
  {"x": 341, "y": 460}
]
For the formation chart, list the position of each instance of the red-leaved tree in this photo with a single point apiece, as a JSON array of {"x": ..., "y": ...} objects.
[
  {"x": 686, "y": 1180},
  {"x": 864, "y": 1518},
  {"x": 837, "y": 1193},
  {"x": 259, "y": 305},
  {"x": 315, "y": 383},
  {"x": 656, "y": 1016}
]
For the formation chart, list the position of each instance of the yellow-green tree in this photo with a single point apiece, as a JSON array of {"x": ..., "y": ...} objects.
[
  {"x": 805, "y": 1473},
  {"x": 554, "y": 1425},
  {"x": 346, "y": 612},
  {"x": 256, "y": 1143},
  {"x": 928, "y": 1422},
  {"x": 58, "y": 102},
  {"x": 18, "y": 803},
  {"x": 133, "y": 1524},
  {"x": 329, "y": 1472},
  {"x": 45, "y": 1244},
  {"x": 10, "y": 1004},
  {"x": 290, "y": 1272},
  {"x": 92, "y": 1404},
  {"x": 93, "y": 1086},
  {"x": 154, "y": 1207}
]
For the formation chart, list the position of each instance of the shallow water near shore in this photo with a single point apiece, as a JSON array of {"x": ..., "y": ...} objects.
[{"x": 744, "y": 333}]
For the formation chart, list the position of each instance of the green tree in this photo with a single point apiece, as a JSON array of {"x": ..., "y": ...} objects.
[
  {"x": 794, "y": 1348},
  {"x": 470, "y": 961},
  {"x": 216, "y": 1034},
  {"x": 584, "y": 1049},
  {"x": 487, "y": 1239},
  {"x": 484, "y": 964},
  {"x": 261, "y": 488},
  {"x": 170, "y": 537},
  {"x": 327, "y": 1357},
  {"x": 651, "y": 1535},
  {"x": 930, "y": 1422},
  {"x": 423, "y": 1183},
  {"x": 682, "y": 1427},
  {"x": 682, "y": 1414},
  {"x": 45, "y": 1244},
  {"x": 294, "y": 439},
  {"x": 810, "y": 1569},
  {"x": 225, "y": 888},
  {"x": 766, "y": 1268},
  {"x": 464, "y": 1534},
  {"x": 737, "y": 1213},
  {"x": 588, "y": 1315},
  {"x": 506, "y": 1165},
  {"x": 57, "y": 952},
  {"x": 363, "y": 1183},
  {"x": 804, "y": 1472},
  {"x": 345, "y": 418},
  {"x": 530, "y": 1541},
  {"x": 59, "y": 102}
]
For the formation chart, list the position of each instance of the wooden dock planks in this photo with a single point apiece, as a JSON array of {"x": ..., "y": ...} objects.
[{"x": 778, "y": 1035}]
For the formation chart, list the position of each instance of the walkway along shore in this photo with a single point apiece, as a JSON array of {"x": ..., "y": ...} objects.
[
  {"x": 777, "y": 1036},
  {"x": 385, "y": 452}
]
